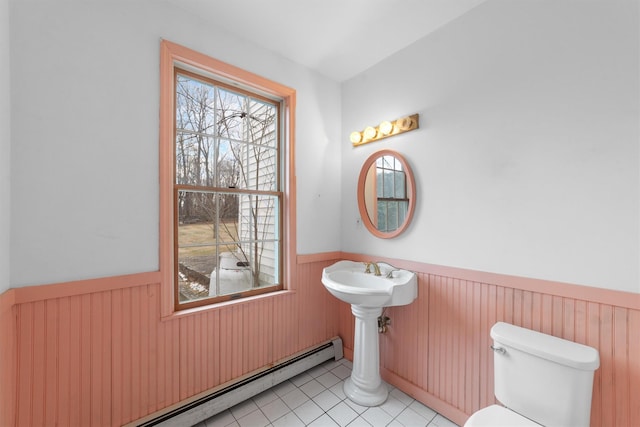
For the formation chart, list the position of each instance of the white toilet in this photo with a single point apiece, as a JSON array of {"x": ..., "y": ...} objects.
[{"x": 540, "y": 380}]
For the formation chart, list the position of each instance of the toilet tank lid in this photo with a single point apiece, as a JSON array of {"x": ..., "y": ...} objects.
[{"x": 552, "y": 348}]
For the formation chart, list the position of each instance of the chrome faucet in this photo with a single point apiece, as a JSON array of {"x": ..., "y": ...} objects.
[{"x": 376, "y": 269}]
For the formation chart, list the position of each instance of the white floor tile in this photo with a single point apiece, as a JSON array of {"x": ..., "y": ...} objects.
[
  {"x": 328, "y": 379},
  {"x": 393, "y": 406},
  {"x": 283, "y": 388},
  {"x": 402, "y": 397},
  {"x": 332, "y": 364},
  {"x": 358, "y": 408},
  {"x": 299, "y": 380},
  {"x": 323, "y": 421},
  {"x": 341, "y": 372},
  {"x": 359, "y": 422},
  {"x": 312, "y": 388},
  {"x": 440, "y": 421},
  {"x": 295, "y": 398},
  {"x": 222, "y": 419},
  {"x": 308, "y": 411},
  {"x": 317, "y": 371},
  {"x": 265, "y": 397},
  {"x": 254, "y": 419},
  {"x": 377, "y": 417},
  {"x": 326, "y": 400},
  {"x": 244, "y": 408},
  {"x": 411, "y": 418},
  {"x": 289, "y": 420},
  {"x": 425, "y": 411},
  {"x": 276, "y": 409},
  {"x": 338, "y": 390},
  {"x": 342, "y": 414}
]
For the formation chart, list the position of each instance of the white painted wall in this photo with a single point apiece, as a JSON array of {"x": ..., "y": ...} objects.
[
  {"x": 84, "y": 146},
  {"x": 527, "y": 160},
  {"x": 5, "y": 146}
]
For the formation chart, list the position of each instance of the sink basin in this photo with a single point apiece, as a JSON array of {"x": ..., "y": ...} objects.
[
  {"x": 347, "y": 281},
  {"x": 368, "y": 294}
]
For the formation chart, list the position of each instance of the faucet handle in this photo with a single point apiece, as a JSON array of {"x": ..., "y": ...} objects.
[{"x": 367, "y": 267}]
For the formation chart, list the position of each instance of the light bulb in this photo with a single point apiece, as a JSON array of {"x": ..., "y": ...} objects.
[
  {"x": 370, "y": 132},
  {"x": 404, "y": 123},
  {"x": 355, "y": 137},
  {"x": 385, "y": 127}
]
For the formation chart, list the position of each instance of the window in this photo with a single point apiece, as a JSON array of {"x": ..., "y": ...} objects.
[
  {"x": 392, "y": 202},
  {"x": 225, "y": 139}
]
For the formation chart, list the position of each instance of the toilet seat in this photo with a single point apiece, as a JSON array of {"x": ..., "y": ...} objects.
[{"x": 498, "y": 416}]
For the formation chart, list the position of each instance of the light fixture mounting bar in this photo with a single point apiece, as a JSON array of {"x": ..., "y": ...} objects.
[{"x": 385, "y": 129}]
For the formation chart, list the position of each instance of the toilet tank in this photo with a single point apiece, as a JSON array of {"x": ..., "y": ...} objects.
[{"x": 544, "y": 378}]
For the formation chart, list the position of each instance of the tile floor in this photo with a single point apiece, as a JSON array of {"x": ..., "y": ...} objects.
[{"x": 315, "y": 398}]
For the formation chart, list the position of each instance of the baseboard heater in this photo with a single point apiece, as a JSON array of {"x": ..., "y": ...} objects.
[{"x": 210, "y": 404}]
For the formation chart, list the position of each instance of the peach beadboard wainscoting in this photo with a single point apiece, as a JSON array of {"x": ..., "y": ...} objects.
[
  {"x": 97, "y": 353},
  {"x": 437, "y": 348}
]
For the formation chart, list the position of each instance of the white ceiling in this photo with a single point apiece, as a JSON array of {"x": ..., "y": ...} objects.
[{"x": 337, "y": 38}]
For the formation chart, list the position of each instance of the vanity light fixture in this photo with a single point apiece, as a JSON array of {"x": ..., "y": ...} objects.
[{"x": 385, "y": 129}]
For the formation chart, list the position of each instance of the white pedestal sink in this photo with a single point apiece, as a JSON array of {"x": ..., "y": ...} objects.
[{"x": 368, "y": 294}]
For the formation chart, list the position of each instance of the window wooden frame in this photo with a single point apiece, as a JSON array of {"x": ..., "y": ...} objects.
[{"x": 175, "y": 56}]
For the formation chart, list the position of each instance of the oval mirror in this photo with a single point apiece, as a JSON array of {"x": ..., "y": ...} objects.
[{"x": 386, "y": 194}]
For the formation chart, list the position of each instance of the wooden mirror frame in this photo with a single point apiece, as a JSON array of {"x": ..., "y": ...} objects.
[{"x": 411, "y": 192}]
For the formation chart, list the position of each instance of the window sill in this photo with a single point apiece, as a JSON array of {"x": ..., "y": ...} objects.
[{"x": 222, "y": 305}]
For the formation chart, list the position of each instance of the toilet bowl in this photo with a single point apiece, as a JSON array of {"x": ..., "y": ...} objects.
[
  {"x": 498, "y": 416},
  {"x": 539, "y": 379}
]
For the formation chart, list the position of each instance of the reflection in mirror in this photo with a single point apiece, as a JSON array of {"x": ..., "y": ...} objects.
[
  {"x": 386, "y": 194},
  {"x": 391, "y": 194}
]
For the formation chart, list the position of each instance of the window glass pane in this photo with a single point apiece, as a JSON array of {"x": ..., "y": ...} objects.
[
  {"x": 196, "y": 208},
  {"x": 231, "y": 114},
  {"x": 207, "y": 219},
  {"x": 195, "y": 159},
  {"x": 194, "y": 105},
  {"x": 258, "y": 234},
  {"x": 262, "y": 125},
  {"x": 262, "y": 168},
  {"x": 231, "y": 275},
  {"x": 387, "y": 177},
  {"x": 392, "y": 216},
  {"x": 197, "y": 251},
  {"x": 252, "y": 167},
  {"x": 228, "y": 166},
  {"x": 194, "y": 269},
  {"x": 382, "y": 215},
  {"x": 403, "y": 208},
  {"x": 399, "y": 184}
]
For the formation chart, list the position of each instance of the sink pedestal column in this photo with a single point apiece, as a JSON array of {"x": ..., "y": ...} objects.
[{"x": 365, "y": 385}]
